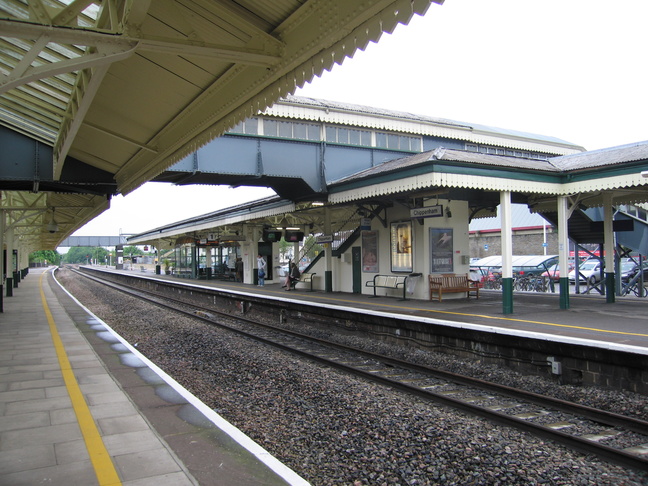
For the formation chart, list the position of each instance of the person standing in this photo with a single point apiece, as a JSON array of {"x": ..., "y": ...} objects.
[
  {"x": 261, "y": 265},
  {"x": 239, "y": 270}
]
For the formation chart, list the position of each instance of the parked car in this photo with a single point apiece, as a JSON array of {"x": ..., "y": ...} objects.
[
  {"x": 554, "y": 272},
  {"x": 629, "y": 269},
  {"x": 523, "y": 265},
  {"x": 590, "y": 272}
]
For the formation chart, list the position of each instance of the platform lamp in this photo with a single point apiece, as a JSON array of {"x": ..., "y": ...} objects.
[
  {"x": 52, "y": 227},
  {"x": 644, "y": 173}
]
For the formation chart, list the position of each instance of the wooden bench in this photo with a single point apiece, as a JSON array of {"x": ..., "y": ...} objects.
[
  {"x": 451, "y": 283},
  {"x": 303, "y": 278},
  {"x": 394, "y": 282}
]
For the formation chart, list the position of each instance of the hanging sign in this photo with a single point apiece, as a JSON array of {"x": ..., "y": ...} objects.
[
  {"x": 321, "y": 239},
  {"x": 427, "y": 212}
]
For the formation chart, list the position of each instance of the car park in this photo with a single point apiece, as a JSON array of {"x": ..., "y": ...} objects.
[
  {"x": 630, "y": 268},
  {"x": 524, "y": 265},
  {"x": 554, "y": 272},
  {"x": 590, "y": 272}
]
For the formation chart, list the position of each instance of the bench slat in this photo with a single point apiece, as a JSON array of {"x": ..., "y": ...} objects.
[
  {"x": 449, "y": 283},
  {"x": 304, "y": 278},
  {"x": 388, "y": 282}
]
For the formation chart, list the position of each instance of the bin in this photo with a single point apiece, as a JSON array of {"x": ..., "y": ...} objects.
[{"x": 412, "y": 281}]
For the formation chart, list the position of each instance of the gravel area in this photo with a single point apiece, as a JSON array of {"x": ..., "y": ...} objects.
[{"x": 333, "y": 429}]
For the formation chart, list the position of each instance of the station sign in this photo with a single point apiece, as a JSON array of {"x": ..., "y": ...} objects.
[
  {"x": 427, "y": 212},
  {"x": 322, "y": 239}
]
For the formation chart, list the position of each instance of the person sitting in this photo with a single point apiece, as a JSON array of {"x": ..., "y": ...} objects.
[{"x": 292, "y": 277}]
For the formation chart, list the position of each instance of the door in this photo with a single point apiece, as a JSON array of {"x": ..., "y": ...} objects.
[
  {"x": 265, "y": 250},
  {"x": 356, "y": 262}
]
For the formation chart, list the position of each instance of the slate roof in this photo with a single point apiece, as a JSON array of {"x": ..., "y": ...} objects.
[
  {"x": 604, "y": 157},
  {"x": 373, "y": 111},
  {"x": 442, "y": 154},
  {"x": 556, "y": 165}
]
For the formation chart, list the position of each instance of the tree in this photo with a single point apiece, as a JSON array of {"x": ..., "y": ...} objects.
[
  {"x": 84, "y": 254},
  {"x": 132, "y": 250},
  {"x": 283, "y": 247},
  {"x": 45, "y": 256},
  {"x": 314, "y": 248}
]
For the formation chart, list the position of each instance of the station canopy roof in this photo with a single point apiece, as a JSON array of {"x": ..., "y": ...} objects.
[
  {"x": 495, "y": 261},
  {"x": 127, "y": 88}
]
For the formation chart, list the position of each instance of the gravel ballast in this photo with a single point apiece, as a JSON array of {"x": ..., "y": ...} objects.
[{"x": 334, "y": 429}]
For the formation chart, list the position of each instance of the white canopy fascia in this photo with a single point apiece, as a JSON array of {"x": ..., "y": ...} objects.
[
  {"x": 213, "y": 223},
  {"x": 425, "y": 181}
]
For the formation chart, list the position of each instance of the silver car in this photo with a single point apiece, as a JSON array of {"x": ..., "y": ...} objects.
[{"x": 590, "y": 272}]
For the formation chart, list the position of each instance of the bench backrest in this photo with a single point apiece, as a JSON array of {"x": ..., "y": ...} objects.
[
  {"x": 380, "y": 280},
  {"x": 450, "y": 280},
  {"x": 389, "y": 280}
]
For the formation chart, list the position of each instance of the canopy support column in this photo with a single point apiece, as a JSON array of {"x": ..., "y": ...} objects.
[
  {"x": 507, "y": 252},
  {"x": 2, "y": 260},
  {"x": 328, "y": 256},
  {"x": 609, "y": 246},
  {"x": 563, "y": 250}
]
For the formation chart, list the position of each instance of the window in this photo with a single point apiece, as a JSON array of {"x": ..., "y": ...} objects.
[
  {"x": 348, "y": 136},
  {"x": 249, "y": 127},
  {"x": 289, "y": 129},
  {"x": 489, "y": 149},
  {"x": 398, "y": 142}
]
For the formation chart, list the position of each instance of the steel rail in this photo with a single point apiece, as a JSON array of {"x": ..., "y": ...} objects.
[{"x": 607, "y": 453}]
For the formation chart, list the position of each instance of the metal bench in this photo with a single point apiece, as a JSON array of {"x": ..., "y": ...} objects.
[
  {"x": 451, "y": 283},
  {"x": 394, "y": 282},
  {"x": 303, "y": 278}
]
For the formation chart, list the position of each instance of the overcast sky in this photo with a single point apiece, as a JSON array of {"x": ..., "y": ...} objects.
[{"x": 572, "y": 69}]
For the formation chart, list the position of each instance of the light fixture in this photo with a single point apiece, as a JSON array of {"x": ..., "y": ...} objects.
[
  {"x": 448, "y": 213},
  {"x": 52, "y": 227}
]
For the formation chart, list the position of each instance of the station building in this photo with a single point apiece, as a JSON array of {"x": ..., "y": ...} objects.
[{"x": 383, "y": 192}]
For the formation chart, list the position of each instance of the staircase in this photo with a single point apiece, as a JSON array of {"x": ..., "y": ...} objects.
[{"x": 581, "y": 230}]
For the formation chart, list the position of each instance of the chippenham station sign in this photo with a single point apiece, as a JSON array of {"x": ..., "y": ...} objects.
[{"x": 429, "y": 212}]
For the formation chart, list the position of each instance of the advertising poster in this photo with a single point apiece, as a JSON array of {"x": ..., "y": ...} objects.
[
  {"x": 370, "y": 251},
  {"x": 401, "y": 247},
  {"x": 441, "y": 250}
]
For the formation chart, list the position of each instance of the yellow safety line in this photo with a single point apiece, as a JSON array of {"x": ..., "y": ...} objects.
[
  {"x": 101, "y": 460},
  {"x": 569, "y": 326}
]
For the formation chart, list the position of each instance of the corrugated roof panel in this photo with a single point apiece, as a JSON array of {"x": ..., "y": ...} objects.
[{"x": 518, "y": 261}]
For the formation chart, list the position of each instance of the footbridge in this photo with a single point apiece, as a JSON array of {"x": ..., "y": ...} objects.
[
  {"x": 94, "y": 241},
  {"x": 98, "y": 98},
  {"x": 300, "y": 146}
]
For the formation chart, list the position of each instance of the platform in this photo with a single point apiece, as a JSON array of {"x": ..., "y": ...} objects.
[
  {"x": 590, "y": 320},
  {"x": 79, "y": 406}
]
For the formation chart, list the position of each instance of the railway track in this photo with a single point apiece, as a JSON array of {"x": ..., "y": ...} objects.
[{"x": 612, "y": 437}]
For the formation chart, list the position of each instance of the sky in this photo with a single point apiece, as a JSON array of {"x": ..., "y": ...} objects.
[{"x": 571, "y": 69}]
